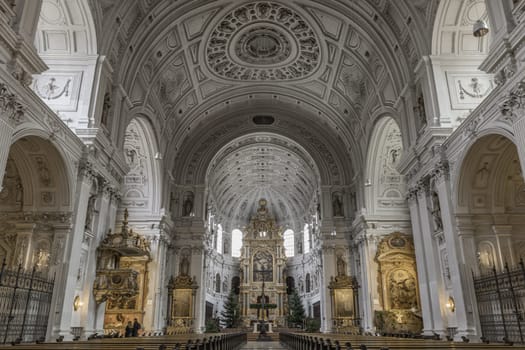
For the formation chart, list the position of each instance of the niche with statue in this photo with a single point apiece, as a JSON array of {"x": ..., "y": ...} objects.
[
  {"x": 398, "y": 288},
  {"x": 121, "y": 277}
]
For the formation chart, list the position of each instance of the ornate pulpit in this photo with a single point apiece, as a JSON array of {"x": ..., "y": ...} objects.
[
  {"x": 263, "y": 290},
  {"x": 121, "y": 277}
]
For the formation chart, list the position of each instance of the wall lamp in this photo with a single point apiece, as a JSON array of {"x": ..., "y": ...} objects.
[{"x": 451, "y": 305}]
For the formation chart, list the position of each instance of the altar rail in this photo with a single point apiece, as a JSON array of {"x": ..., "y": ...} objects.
[{"x": 501, "y": 303}]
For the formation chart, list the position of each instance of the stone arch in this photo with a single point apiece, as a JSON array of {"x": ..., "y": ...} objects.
[
  {"x": 490, "y": 190},
  {"x": 292, "y": 165},
  {"x": 142, "y": 184},
  {"x": 36, "y": 198},
  {"x": 385, "y": 187}
]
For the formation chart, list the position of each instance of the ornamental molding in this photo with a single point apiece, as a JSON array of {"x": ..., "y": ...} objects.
[
  {"x": 10, "y": 107},
  {"x": 263, "y": 41}
]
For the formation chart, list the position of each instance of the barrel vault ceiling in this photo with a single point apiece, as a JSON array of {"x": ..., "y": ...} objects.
[{"x": 323, "y": 70}]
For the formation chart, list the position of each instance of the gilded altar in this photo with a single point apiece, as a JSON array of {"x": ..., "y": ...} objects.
[
  {"x": 345, "y": 306},
  {"x": 398, "y": 288},
  {"x": 263, "y": 290},
  {"x": 121, "y": 277}
]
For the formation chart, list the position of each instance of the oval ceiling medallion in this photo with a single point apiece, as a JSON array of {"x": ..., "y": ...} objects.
[{"x": 263, "y": 41}]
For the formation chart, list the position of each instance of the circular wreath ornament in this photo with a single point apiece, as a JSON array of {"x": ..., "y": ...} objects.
[{"x": 263, "y": 41}]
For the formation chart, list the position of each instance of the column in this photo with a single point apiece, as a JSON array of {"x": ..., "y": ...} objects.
[
  {"x": 157, "y": 272},
  {"x": 431, "y": 257},
  {"x": 503, "y": 235},
  {"x": 11, "y": 114},
  {"x": 326, "y": 301},
  {"x": 519, "y": 139},
  {"x": 58, "y": 261},
  {"x": 468, "y": 257},
  {"x": 513, "y": 111},
  {"x": 458, "y": 274},
  {"x": 198, "y": 273},
  {"x": 368, "y": 277},
  {"x": 90, "y": 309},
  {"x": 422, "y": 268},
  {"x": 68, "y": 277}
]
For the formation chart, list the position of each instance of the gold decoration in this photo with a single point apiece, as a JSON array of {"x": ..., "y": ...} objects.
[
  {"x": 397, "y": 285},
  {"x": 262, "y": 264},
  {"x": 181, "y": 310},
  {"x": 344, "y": 298},
  {"x": 122, "y": 275}
]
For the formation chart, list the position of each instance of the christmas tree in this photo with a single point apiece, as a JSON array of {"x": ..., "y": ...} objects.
[
  {"x": 230, "y": 315},
  {"x": 296, "y": 309}
]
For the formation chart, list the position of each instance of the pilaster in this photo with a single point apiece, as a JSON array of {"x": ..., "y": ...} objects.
[
  {"x": 436, "y": 293},
  {"x": 11, "y": 114},
  {"x": 463, "y": 306},
  {"x": 68, "y": 278}
]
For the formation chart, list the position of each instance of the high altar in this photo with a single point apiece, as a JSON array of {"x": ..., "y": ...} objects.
[{"x": 262, "y": 290}]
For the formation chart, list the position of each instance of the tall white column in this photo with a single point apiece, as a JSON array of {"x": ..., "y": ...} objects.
[
  {"x": 11, "y": 114},
  {"x": 326, "y": 276},
  {"x": 431, "y": 256},
  {"x": 368, "y": 276},
  {"x": 68, "y": 278},
  {"x": 468, "y": 256},
  {"x": 421, "y": 261},
  {"x": 90, "y": 307},
  {"x": 159, "y": 303},
  {"x": 58, "y": 259},
  {"x": 197, "y": 271},
  {"x": 519, "y": 136},
  {"x": 458, "y": 277}
]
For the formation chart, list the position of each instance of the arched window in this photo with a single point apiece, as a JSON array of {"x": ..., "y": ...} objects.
[
  {"x": 236, "y": 243},
  {"x": 217, "y": 283},
  {"x": 289, "y": 242},
  {"x": 308, "y": 283},
  {"x": 218, "y": 240},
  {"x": 306, "y": 236}
]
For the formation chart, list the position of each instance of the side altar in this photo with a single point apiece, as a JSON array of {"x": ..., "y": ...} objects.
[{"x": 263, "y": 296}]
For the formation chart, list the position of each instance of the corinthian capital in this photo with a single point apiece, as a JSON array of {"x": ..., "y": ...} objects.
[
  {"x": 513, "y": 106},
  {"x": 441, "y": 171},
  {"x": 10, "y": 108}
]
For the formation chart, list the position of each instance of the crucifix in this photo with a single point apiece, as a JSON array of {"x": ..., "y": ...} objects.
[
  {"x": 262, "y": 327},
  {"x": 264, "y": 275}
]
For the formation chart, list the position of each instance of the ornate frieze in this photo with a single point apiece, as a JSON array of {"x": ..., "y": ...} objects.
[{"x": 263, "y": 41}]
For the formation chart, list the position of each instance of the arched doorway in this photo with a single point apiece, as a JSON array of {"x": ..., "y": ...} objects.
[
  {"x": 35, "y": 207},
  {"x": 490, "y": 215}
]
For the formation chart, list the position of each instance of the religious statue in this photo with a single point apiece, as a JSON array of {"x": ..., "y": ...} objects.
[
  {"x": 184, "y": 266},
  {"x": 341, "y": 266},
  {"x": 436, "y": 212},
  {"x": 337, "y": 204},
  {"x": 187, "y": 206}
]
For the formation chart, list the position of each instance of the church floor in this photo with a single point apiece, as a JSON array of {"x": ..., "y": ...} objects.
[{"x": 273, "y": 345}]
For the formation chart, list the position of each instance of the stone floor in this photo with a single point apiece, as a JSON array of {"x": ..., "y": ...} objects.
[{"x": 273, "y": 345}]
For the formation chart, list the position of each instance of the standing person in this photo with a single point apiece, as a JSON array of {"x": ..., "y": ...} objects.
[
  {"x": 129, "y": 330},
  {"x": 136, "y": 327}
]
